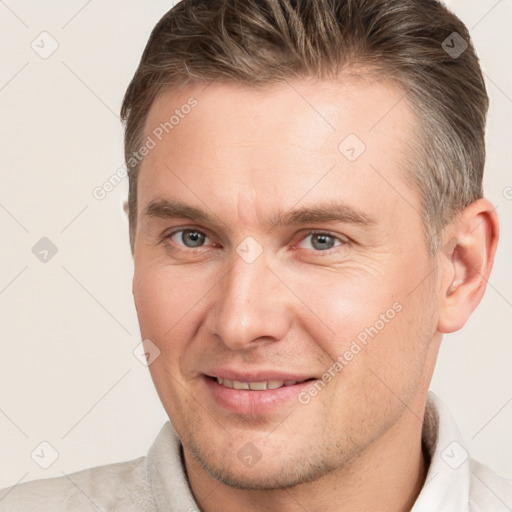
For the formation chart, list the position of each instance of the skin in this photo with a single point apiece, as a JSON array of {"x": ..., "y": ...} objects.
[{"x": 241, "y": 155}]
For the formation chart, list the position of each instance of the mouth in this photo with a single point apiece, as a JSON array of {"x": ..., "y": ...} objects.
[
  {"x": 257, "y": 385},
  {"x": 253, "y": 397}
]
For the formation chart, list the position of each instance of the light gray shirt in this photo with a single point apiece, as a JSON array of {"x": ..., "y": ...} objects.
[{"x": 158, "y": 482}]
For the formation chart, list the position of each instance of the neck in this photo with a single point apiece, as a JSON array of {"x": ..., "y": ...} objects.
[{"x": 387, "y": 476}]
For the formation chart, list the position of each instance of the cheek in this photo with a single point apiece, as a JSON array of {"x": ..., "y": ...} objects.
[
  {"x": 151, "y": 297},
  {"x": 373, "y": 317},
  {"x": 162, "y": 300},
  {"x": 346, "y": 306},
  {"x": 163, "y": 303}
]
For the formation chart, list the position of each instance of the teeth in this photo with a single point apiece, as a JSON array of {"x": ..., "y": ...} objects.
[
  {"x": 256, "y": 386},
  {"x": 240, "y": 385}
]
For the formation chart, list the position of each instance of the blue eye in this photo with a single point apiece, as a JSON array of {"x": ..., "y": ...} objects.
[
  {"x": 322, "y": 241},
  {"x": 190, "y": 238},
  {"x": 193, "y": 239}
]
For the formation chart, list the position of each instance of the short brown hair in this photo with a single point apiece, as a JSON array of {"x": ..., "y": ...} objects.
[{"x": 260, "y": 42}]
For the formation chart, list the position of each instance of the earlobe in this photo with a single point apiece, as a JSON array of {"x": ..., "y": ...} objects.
[
  {"x": 125, "y": 207},
  {"x": 466, "y": 262}
]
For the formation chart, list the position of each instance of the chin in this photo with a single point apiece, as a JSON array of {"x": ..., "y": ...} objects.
[{"x": 262, "y": 476}]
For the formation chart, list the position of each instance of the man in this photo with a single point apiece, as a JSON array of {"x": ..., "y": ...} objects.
[{"x": 307, "y": 220}]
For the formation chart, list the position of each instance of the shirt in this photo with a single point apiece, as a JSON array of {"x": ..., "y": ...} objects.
[{"x": 158, "y": 481}]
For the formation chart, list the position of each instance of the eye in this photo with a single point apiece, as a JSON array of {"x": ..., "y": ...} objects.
[
  {"x": 321, "y": 241},
  {"x": 191, "y": 238}
]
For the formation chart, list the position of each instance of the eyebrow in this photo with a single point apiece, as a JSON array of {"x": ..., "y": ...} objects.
[{"x": 327, "y": 212}]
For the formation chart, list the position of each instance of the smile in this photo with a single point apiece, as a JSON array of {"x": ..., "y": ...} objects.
[
  {"x": 256, "y": 386},
  {"x": 251, "y": 397}
]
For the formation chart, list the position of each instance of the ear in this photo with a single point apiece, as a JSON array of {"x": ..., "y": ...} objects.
[
  {"x": 125, "y": 207},
  {"x": 466, "y": 261}
]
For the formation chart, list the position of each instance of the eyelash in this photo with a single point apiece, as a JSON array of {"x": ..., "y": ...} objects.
[{"x": 306, "y": 235}]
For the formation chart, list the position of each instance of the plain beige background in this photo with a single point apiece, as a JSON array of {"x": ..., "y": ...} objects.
[{"x": 68, "y": 327}]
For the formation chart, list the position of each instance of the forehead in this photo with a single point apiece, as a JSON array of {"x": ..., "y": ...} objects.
[
  {"x": 365, "y": 104},
  {"x": 258, "y": 148}
]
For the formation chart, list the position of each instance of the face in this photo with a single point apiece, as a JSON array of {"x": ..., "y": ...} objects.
[{"x": 282, "y": 275}]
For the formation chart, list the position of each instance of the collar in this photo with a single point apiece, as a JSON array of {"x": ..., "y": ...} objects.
[
  {"x": 446, "y": 487},
  {"x": 166, "y": 473}
]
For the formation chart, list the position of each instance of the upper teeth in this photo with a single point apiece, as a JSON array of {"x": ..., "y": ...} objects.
[{"x": 256, "y": 386}]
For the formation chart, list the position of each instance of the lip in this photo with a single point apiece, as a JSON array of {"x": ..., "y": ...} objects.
[{"x": 252, "y": 403}]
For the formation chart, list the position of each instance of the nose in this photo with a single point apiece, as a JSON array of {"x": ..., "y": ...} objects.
[{"x": 252, "y": 305}]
